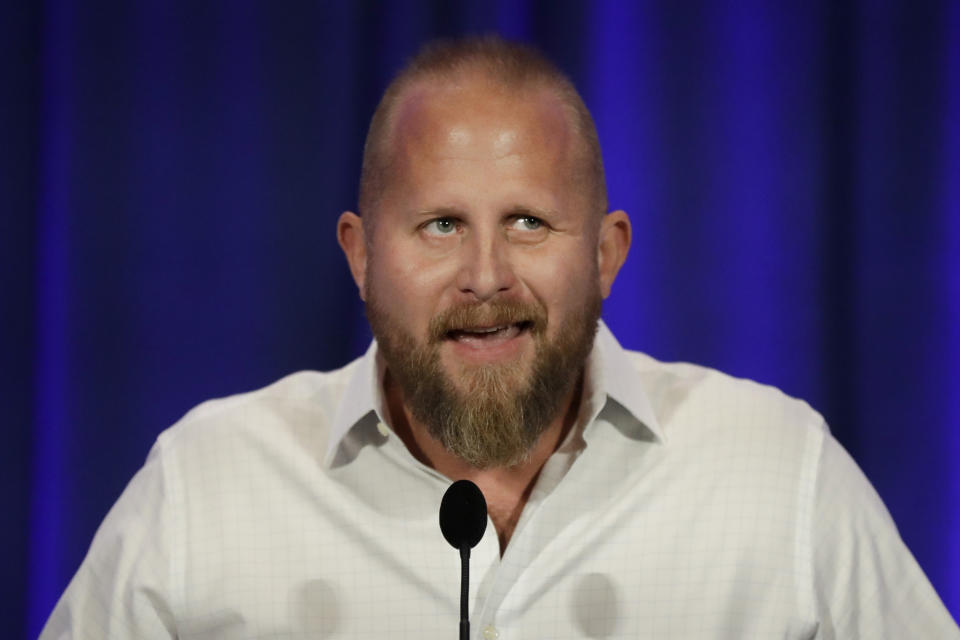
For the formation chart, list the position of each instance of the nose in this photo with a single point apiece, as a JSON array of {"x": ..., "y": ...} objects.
[{"x": 486, "y": 269}]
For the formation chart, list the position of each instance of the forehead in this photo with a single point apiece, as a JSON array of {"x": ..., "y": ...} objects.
[{"x": 479, "y": 120}]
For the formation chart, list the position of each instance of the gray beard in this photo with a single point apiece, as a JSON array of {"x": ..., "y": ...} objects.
[{"x": 496, "y": 415}]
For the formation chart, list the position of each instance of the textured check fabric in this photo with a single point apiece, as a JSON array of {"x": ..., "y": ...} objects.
[{"x": 686, "y": 504}]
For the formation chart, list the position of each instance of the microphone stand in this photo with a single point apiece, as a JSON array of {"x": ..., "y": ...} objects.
[{"x": 464, "y": 592}]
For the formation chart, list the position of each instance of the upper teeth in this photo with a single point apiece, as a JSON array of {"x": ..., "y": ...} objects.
[{"x": 490, "y": 330}]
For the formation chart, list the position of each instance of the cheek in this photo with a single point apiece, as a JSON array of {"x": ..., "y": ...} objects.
[
  {"x": 561, "y": 281},
  {"x": 413, "y": 284}
]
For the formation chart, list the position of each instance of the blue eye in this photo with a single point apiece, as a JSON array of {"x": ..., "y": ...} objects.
[
  {"x": 441, "y": 226},
  {"x": 528, "y": 223}
]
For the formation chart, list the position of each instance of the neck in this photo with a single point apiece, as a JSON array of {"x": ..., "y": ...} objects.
[{"x": 506, "y": 489}]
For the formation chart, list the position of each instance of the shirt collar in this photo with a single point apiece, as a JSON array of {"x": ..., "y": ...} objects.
[
  {"x": 362, "y": 395},
  {"x": 611, "y": 376}
]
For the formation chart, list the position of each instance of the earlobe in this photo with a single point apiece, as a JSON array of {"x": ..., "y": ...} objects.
[
  {"x": 350, "y": 235},
  {"x": 613, "y": 245}
]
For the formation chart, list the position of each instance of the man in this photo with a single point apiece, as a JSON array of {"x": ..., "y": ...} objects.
[{"x": 629, "y": 498}]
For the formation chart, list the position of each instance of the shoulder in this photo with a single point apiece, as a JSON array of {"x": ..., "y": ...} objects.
[
  {"x": 292, "y": 413},
  {"x": 694, "y": 401},
  {"x": 316, "y": 389}
]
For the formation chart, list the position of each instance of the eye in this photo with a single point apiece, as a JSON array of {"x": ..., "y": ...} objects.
[
  {"x": 527, "y": 223},
  {"x": 441, "y": 227}
]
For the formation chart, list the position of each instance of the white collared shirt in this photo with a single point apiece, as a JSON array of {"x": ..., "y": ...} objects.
[{"x": 686, "y": 504}]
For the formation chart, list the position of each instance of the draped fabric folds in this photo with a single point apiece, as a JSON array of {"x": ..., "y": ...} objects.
[{"x": 172, "y": 171}]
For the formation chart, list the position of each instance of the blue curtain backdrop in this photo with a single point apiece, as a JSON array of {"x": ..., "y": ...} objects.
[{"x": 172, "y": 171}]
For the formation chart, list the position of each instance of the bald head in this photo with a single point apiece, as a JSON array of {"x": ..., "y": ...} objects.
[{"x": 505, "y": 72}]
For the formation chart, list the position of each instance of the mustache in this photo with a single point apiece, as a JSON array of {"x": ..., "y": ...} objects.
[{"x": 487, "y": 314}]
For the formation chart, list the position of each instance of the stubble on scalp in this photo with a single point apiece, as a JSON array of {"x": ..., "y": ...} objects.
[
  {"x": 509, "y": 67},
  {"x": 497, "y": 412}
]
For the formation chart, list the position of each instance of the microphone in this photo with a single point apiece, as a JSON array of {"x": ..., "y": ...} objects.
[{"x": 463, "y": 519}]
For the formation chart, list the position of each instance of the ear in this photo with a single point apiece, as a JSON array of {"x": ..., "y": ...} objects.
[
  {"x": 354, "y": 245},
  {"x": 612, "y": 247}
]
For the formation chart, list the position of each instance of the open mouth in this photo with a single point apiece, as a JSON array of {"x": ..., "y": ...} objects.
[{"x": 498, "y": 333}]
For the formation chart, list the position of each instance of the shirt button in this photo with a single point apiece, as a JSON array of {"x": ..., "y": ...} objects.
[
  {"x": 383, "y": 429},
  {"x": 490, "y": 632}
]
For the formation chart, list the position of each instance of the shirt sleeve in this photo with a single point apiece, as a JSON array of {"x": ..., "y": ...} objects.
[
  {"x": 123, "y": 586},
  {"x": 867, "y": 583}
]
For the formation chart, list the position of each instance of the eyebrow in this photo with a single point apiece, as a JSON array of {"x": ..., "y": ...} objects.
[
  {"x": 440, "y": 212},
  {"x": 522, "y": 210},
  {"x": 515, "y": 210}
]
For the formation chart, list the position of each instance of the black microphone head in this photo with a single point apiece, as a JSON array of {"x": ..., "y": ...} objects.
[{"x": 463, "y": 514}]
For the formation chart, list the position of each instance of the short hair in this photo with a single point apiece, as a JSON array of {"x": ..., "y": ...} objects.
[{"x": 509, "y": 64}]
